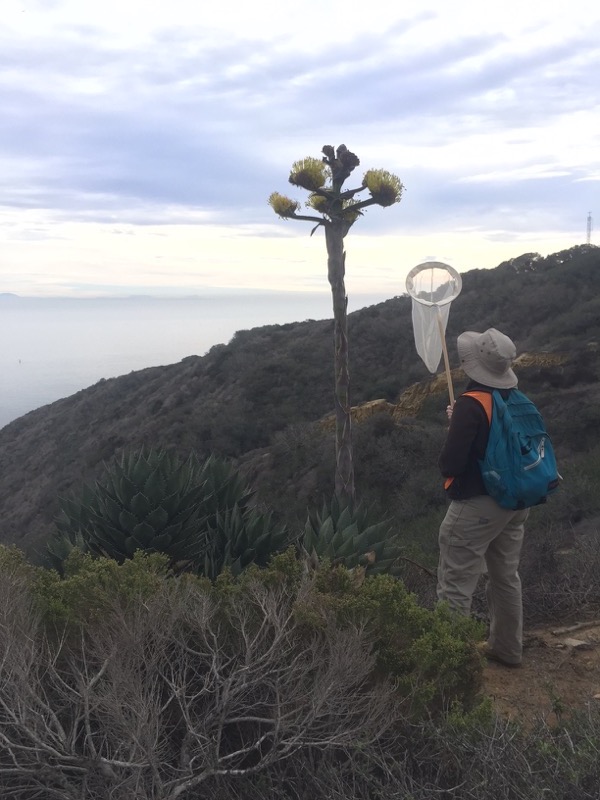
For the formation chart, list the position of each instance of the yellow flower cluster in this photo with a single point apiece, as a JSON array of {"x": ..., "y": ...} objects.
[
  {"x": 309, "y": 173},
  {"x": 385, "y": 188},
  {"x": 283, "y": 206}
]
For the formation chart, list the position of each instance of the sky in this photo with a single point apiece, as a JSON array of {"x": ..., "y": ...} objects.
[{"x": 140, "y": 140}]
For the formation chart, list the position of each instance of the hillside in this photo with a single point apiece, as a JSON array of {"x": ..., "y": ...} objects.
[{"x": 259, "y": 400}]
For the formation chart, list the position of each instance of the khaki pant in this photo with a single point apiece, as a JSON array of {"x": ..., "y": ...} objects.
[{"x": 476, "y": 536}]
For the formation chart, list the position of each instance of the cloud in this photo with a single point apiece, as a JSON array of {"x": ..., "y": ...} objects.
[{"x": 195, "y": 121}]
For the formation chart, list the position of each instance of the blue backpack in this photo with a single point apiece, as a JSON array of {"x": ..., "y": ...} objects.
[{"x": 519, "y": 466}]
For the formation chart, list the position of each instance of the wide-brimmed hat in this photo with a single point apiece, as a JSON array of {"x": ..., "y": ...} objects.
[{"x": 487, "y": 358}]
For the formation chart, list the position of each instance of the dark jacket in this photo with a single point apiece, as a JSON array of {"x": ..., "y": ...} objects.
[{"x": 465, "y": 444}]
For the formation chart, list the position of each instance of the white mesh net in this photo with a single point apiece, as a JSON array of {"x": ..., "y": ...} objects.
[
  {"x": 428, "y": 339},
  {"x": 432, "y": 286}
]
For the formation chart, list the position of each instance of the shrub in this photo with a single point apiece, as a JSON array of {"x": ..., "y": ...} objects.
[
  {"x": 280, "y": 683},
  {"x": 175, "y": 686},
  {"x": 431, "y": 653}
]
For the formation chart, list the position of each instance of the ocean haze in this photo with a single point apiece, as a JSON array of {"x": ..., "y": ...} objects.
[{"x": 51, "y": 348}]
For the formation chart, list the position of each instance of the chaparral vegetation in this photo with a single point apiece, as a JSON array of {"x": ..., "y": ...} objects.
[{"x": 188, "y": 607}]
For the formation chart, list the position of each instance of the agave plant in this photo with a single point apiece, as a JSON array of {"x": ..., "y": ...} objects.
[
  {"x": 148, "y": 500},
  {"x": 237, "y": 537},
  {"x": 344, "y": 536},
  {"x": 197, "y": 514},
  {"x": 236, "y": 534},
  {"x": 224, "y": 488},
  {"x": 60, "y": 546}
]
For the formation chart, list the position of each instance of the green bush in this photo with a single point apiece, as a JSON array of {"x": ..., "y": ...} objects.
[
  {"x": 431, "y": 653},
  {"x": 90, "y": 587},
  {"x": 142, "y": 684},
  {"x": 287, "y": 682}
]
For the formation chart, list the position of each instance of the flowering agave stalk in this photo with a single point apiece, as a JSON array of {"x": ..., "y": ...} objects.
[{"x": 337, "y": 209}]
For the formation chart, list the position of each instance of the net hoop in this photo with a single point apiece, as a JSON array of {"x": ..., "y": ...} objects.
[{"x": 454, "y": 284}]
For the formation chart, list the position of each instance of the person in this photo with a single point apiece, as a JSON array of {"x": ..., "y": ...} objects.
[{"x": 477, "y": 535}]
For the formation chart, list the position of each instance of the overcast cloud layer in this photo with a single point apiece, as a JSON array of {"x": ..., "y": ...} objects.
[{"x": 139, "y": 141}]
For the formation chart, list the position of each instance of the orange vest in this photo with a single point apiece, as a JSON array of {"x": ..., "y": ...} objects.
[{"x": 486, "y": 400}]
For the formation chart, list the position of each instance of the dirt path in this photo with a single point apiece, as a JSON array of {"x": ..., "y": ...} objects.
[{"x": 560, "y": 672}]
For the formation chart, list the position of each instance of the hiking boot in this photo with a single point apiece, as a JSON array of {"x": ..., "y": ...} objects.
[{"x": 485, "y": 651}]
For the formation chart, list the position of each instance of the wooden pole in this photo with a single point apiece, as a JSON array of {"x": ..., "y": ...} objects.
[{"x": 445, "y": 351}]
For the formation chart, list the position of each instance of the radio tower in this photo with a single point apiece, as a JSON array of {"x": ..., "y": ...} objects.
[{"x": 589, "y": 227}]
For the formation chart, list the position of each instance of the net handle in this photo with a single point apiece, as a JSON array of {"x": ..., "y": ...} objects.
[{"x": 445, "y": 352}]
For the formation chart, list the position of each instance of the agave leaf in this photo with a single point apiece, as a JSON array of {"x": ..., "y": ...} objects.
[
  {"x": 102, "y": 543},
  {"x": 189, "y": 550},
  {"x": 157, "y": 518},
  {"x": 309, "y": 539},
  {"x": 140, "y": 505},
  {"x": 237, "y": 566},
  {"x": 248, "y": 557},
  {"x": 378, "y": 548},
  {"x": 326, "y": 530},
  {"x": 351, "y": 531},
  {"x": 345, "y": 518},
  {"x": 143, "y": 535},
  {"x": 178, "y": 503},
  {"x": 100, "y": 528},
  {"x": 370, "y": 536},
  {"x": 102, "y": 492},
  {"x": 261, "y": 540},
  {"x": 127, "y": 489},
  {"x": 127, "y": 521},
  {"x": 111, "y": 508},
  {"x": 380, "y": 530},
  {"x": 171, "y": 503},
  {"x": 339, "y": 537},
  {"x": 68, "y": 506},
  {"x": 131, "y": 546},
  {"x": 347, "y": 549},
  {"x": 363, "y": 540},
  {"x": 154, "y": 484},
  {"x": 58, "y": 550},
  {"x": 327, "y": 551},
  {"x": 161, "y": 543},
  {"x": 139, "y": 462},
  {"x": 388, "y": 566}
]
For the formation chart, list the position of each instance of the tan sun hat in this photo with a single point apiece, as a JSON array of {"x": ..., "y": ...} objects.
[{"x": 487, "y": 358}]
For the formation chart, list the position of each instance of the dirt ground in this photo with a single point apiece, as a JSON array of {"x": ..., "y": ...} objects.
[{"x": 560, "y": 672}]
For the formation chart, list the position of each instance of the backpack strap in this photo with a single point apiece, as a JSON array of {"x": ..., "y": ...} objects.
[{"x": 487, "y": 401}]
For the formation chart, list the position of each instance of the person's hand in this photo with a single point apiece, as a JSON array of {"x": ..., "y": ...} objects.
[{"x": 449, "y": 409}]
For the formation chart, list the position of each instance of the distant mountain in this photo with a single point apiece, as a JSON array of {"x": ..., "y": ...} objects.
[{"x": 260, "y": 397}]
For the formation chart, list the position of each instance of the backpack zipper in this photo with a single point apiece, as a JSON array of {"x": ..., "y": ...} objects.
[{"x": 540, "y": 455}]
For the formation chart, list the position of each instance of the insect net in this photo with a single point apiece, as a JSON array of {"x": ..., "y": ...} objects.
[{"x": 432, "y": 286}]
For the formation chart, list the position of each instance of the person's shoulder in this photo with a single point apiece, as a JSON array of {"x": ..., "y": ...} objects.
[{"x": 468, "y": 404}]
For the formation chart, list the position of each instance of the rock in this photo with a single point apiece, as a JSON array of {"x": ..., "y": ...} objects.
[{"x": 578, "y": 644}]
